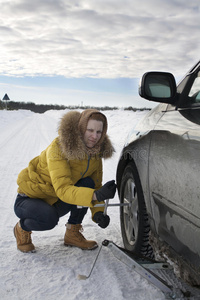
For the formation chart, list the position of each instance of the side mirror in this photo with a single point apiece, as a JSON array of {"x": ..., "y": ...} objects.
[{"x": 158, "y": 87}]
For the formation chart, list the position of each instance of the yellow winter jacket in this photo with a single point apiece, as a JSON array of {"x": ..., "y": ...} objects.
[{"x": 52, "y": 175}]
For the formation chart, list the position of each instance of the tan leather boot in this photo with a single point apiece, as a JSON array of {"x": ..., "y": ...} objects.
[
  {"x": 23, "y": 238},
  {"x": 74, "y": 237}
]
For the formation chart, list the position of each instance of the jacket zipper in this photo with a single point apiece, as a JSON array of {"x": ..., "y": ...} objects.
[{"x": 88, "y": 163}]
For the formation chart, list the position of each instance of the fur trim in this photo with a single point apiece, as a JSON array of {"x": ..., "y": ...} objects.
[{"x": 71, "y": 142}]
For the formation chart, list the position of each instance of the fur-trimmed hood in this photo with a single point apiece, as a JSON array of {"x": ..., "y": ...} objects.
[{"x": 71, "y": 140}]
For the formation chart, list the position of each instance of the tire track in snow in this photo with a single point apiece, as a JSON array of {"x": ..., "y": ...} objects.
[{"x": 21, "y": 141}]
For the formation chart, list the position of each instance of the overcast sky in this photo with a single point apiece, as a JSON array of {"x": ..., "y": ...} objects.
[{"x": 93, "y": 52}]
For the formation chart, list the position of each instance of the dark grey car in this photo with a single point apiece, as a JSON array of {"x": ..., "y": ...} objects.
[{"x": 158, "y": 173}]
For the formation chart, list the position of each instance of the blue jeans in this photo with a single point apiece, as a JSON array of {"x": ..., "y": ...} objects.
[{"x": 38, "y": 215}]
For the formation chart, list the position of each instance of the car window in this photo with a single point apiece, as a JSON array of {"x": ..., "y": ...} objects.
[
  {"x": 195, "y": 91},
  {"x": 192, "y": 113}
]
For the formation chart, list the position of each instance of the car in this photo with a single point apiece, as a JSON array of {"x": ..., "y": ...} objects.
[{"x": 158, "y": 174}]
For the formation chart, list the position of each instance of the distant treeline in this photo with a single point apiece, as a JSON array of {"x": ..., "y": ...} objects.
[{"x": 41, "y": 108}]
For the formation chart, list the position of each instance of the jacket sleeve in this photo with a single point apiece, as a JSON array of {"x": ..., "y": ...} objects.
[
  {"x": 60, "y": 173},
  {"x": 97, "y": 177}
]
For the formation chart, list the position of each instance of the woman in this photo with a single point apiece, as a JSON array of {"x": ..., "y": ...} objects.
[{"x": 66, "y": 177}]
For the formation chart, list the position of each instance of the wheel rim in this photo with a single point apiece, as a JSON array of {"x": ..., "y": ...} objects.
[{"x": 130, "y": 212}]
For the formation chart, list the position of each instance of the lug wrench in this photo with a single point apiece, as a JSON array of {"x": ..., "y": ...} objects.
[
  {"x": 105, "y": 207},
  {"x": 106, "y": 204},
  {"x": 111, "y": 204}
]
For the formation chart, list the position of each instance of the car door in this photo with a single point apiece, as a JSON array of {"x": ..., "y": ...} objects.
[{"x": 174, "y": 175}]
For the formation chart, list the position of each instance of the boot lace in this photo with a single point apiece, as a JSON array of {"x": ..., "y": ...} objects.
[{"x": 80, "y": 229}]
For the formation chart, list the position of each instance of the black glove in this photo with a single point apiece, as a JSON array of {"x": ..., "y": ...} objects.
[
  {"x": 107, "y": 191},
  {"x": 101, "y": 219}
]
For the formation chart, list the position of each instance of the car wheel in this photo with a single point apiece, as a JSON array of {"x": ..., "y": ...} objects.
[{"x": 134, "y": 219}]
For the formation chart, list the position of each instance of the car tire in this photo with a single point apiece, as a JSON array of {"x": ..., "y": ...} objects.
[{"x": 134, "y": 218}]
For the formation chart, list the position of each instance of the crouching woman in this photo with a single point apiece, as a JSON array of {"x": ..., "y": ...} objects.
[{"x": 66, "y": 178}]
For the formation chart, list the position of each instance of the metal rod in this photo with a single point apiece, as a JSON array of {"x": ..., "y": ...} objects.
[
  {"x": 112, "y": 204},
  {"x": 105, "y": 207},
  {"x": 83, "y": 277}
]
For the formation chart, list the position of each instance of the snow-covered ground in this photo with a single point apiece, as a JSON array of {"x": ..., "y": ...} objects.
[{"x": 51, "y": 272}]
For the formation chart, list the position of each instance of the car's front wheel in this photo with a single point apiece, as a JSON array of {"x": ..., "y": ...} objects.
[{"x": 133, "y": 217}]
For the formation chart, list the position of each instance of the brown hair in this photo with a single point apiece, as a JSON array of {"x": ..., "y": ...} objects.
[{"x": 98, "y": 117}]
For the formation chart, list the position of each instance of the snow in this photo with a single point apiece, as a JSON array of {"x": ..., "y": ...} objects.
[{"x": 51, "y": 273}]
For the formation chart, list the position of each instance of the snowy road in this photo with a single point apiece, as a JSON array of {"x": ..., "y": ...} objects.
[{"x": 51, "y": 272}]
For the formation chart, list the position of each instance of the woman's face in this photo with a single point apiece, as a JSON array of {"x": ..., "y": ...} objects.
[{"x": 93, "y": 133}]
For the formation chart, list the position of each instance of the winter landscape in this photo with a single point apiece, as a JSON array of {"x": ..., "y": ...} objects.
[{"x": 51, "y": 273}]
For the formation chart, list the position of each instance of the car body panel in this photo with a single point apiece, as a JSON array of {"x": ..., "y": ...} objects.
[{"x": 174, "y": 164}]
